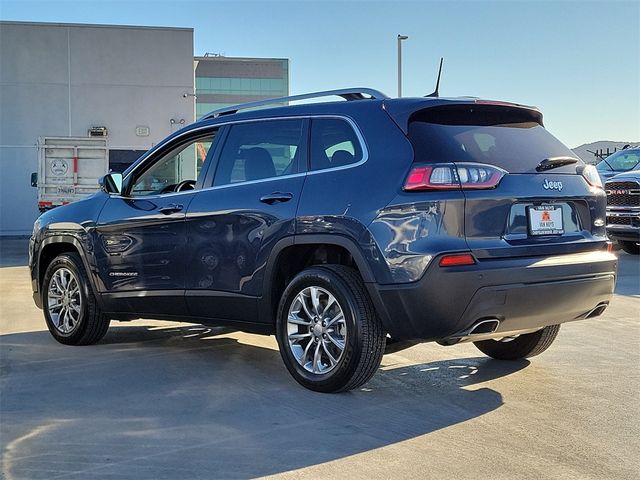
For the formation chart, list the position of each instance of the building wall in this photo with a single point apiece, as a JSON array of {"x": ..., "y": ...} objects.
[
  {"x": 224, "y": 81},
  {"x": 62, "y": 79}
]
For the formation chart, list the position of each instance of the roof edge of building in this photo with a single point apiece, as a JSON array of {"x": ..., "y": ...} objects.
[
  {"x": 222, "y": 57},
  {"x": 93, "y": 25}
]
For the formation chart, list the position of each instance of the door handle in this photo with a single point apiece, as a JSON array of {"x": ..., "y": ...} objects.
[
  {"x": 171, "y": 208},
  {"x": 276, "y": 197}
]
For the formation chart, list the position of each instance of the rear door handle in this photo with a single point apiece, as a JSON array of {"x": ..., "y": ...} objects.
[
  {"x": 171, "y": 208},
  {"x": 276, "y": 197}
]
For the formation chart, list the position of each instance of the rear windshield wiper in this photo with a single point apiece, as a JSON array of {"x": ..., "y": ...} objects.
[{"x": 555, "y": 162}]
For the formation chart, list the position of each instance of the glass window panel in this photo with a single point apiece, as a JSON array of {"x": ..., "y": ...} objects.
[
  {"x": 259, "y": 150},
  {"x": 182, "y": 163},
  {"x": 333, "y": 144}
]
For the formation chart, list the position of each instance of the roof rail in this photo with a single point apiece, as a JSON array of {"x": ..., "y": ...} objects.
[{"x": 346, "y": 93}]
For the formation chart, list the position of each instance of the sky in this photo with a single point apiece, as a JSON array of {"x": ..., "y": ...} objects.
[{"x": 578, "y": 61}]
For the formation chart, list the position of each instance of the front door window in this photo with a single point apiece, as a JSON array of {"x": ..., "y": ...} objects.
[{"x": 178, "y": 170}]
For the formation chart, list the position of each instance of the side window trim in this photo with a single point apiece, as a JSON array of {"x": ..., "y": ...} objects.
[
  {"x": 212, "y": 163},
  {"x": 303, "y": 163},
  {"x": 223, "y": 129}
]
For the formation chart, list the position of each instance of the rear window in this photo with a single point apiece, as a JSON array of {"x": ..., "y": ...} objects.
[
  {"x": 510, "y": 138},
  {"x": 333, "y": 144}
]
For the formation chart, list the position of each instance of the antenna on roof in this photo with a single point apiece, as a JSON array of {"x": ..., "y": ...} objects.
[{"x": 436, "y": 92}]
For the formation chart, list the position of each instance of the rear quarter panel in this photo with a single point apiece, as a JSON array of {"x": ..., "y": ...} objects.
[{"x": 345, "y": 201}]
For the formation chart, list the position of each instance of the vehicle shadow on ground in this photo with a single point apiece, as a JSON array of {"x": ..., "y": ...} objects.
[{"x": 190, "y": 402}]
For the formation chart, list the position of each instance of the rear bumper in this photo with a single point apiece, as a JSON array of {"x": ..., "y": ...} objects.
[{"x": 522, "y": 293}]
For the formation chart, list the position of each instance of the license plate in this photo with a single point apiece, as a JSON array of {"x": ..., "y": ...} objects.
[{"x": 545, "y": 220}]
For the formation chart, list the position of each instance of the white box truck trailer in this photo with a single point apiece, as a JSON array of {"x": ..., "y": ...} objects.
[{"x": 69, "y": 169}]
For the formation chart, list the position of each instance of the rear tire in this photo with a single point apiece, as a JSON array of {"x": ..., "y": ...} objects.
[
  {"x": 523, "y": 346},
  {"x": 631, "y": 248},
  {"x": 310, "y": 332},
  {"x": 70, "y": 308}
]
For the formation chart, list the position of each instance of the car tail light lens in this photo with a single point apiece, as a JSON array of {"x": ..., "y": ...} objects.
[
  {"x": 437, "y": 177},
  {"x": 457, "y": 260},
  {"x": 475, "y": 175},
  {"x": 453, "y": 176},
  {"x": 590, "y": 174}
]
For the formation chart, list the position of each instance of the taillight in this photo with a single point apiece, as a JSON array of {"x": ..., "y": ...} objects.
[
  {"x": 453, "y": 176},
  {"x": 437, "y": 177},
  {"x": 457, "y": 260},
  {"x": 590, "y": 174}
]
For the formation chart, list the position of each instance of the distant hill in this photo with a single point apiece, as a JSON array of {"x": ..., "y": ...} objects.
[{"x": 582, "y": 152}]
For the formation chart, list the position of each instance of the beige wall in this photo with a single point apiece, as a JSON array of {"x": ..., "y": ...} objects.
[{"x": 59, "y": 80}]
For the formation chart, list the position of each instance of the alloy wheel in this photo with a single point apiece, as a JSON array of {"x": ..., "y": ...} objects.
[
  {"x": 316, "y": 330},
  {"x": 64, "y": 301}
]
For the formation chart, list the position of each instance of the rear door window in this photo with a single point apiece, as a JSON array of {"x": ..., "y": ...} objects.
[
  {"x": 334, "y": 143},
  {"x": 506, "y": 137},
  {"x": 261, "y": 150}
]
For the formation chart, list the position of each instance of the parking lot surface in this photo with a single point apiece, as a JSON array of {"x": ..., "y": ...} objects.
[{"x": 160, "y": 400}]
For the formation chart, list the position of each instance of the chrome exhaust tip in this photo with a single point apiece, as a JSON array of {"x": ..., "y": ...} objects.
[
  {"x": 480, "y": 328},
  {"x": 484, "y": 327},
  {"x": 598, "y": 310}
]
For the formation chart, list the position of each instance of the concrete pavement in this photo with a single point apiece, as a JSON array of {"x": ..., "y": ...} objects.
[{"x": 160, "y": 400}]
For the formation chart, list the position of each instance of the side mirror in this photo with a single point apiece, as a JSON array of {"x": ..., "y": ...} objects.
[
  {"x": 34, "y": 179},
  {"x": 111, "y": 183}
]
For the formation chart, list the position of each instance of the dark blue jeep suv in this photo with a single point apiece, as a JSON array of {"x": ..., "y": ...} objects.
[{"x": 345, "y": 228}]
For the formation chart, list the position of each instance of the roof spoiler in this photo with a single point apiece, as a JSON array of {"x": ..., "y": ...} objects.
[{"x": 402, "y": 111}]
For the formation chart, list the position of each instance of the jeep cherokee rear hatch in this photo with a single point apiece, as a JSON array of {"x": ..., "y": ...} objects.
[{"x": 525, "y": 192}]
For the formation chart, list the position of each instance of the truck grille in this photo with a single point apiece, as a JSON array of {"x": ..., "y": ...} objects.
[
  {"x": 618, "y": 220},
  {"x": 623, "y": 194}
]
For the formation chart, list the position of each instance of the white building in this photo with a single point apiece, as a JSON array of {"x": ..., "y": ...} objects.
[{"x": 63, "y": 79}]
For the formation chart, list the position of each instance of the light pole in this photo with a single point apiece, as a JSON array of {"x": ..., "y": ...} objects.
[{"x": 400, "y": 38}]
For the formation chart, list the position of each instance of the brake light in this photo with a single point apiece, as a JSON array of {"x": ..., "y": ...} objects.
[
  {"x": 590, "y": 174},
  {"x": 453, "y": 176},
  {"x": 457, "y": 260},
  {"x": 432, "y": 178}
]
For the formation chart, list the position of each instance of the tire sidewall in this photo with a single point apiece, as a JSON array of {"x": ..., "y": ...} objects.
[
  {"x": 66, "y": 261},
  {"x": 341, "y": 374},
  {"x": 524, "y": 346}
]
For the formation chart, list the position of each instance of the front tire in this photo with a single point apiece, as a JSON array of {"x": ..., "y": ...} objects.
[
  {"x": 523, "y": 346},
  {"x": 329, "y": 335},
  {"x": 631, "y": 248},
  {"x": 70, "y": 308}
]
